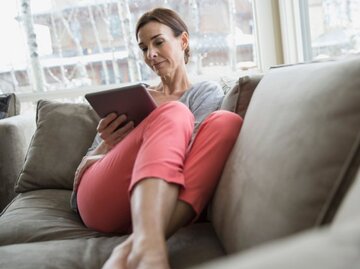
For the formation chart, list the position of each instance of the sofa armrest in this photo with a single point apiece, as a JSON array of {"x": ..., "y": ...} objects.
[{"x": 15, "y": 137}]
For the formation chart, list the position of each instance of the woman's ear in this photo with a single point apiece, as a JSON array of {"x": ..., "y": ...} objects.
[{"x": 184, "y": 40}]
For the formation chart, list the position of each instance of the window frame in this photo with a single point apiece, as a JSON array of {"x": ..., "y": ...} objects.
[{"x": 295, "y": 28}]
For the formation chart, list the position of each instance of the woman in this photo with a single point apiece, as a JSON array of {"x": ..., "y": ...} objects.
[{"x": 151, "y": 180}]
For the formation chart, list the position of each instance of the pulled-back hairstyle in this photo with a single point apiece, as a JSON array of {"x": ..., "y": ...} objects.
[{"x": 167, "y": 17}]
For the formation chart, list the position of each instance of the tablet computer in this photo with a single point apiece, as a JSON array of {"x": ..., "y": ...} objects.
[{"x": 134, "y": 101}]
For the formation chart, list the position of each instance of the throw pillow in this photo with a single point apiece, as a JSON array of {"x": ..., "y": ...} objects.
[
  {"x": 238, "y": 98},
  {"x": 64, "y": 133}
]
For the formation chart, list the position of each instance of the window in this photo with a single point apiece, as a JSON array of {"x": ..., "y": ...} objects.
[
  {"x": 319, "y": 29},
  {"x": 334, "y": 27},
  {"x": 62, "y": 46}
]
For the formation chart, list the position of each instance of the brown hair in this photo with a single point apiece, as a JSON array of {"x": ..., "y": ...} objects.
[{"x": 167, "y": 17}]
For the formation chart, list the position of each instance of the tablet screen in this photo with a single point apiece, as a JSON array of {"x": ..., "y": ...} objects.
[{"x": 134, "y": 101}]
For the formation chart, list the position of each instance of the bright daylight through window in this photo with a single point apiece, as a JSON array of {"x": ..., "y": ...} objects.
[
  {"x": 53, "y": 45},
  {"x": 61, "y": 49},
  {"x": 334, "y": 27}
]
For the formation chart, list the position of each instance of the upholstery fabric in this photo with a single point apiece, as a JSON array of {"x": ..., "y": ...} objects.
[
  {"x": 247, "y": 86},
  {"x": 92, "y": 252},
  {"x": 9, "y": 105},
  {"x": 318, "y": 249},
  {"x": 296, "y": 142},
  {"x": 350, "y": 208},
  {"x": 64, "y": 133},
  {"x": 41, "y": 215},
  {"x": 15, "y": 136},
  {"x": 238, "y": 98},
  {"x": 337, "y": 207}
]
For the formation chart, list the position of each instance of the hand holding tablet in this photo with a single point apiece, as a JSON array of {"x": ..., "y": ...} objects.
[{"x": 134, "y": 101}]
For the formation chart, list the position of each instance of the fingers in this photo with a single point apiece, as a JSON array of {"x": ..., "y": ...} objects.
[
  {"x": 111, "y": 122},
  {"x": 104, "y": 122},
  {"x": 78, "y": 174},
  {"x": 85, "y": 163},
  {"x": 112, "y": 134},
  {"x": 76, "y": 181},
  {"x": 119, "y": 134}
]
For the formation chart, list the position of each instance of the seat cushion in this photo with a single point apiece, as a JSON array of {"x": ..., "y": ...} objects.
[
  {"x": 41, "y": 215},
  {"x": 76, "y": 253},
  {"x": 190, "y": 246},
  {"x": 293, "y": 154}
]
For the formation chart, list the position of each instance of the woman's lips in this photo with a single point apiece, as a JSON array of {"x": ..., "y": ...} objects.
[{"x": 157, "y": 65}]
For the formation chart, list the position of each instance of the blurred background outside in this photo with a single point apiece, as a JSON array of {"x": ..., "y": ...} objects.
[{"x": 61, "y": 47}]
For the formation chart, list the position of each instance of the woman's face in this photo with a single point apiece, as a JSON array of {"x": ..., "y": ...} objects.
[{"x": 162, "y": 51}]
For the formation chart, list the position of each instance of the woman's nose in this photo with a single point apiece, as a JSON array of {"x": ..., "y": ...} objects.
[{"x": 151, "y": 53}]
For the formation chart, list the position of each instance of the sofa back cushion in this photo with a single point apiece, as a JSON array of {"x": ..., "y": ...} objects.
[
  {"x": 64, "y": 133},
  {"x": 292, "y": 154}
]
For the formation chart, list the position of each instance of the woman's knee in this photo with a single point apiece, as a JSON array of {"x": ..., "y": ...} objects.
[
  {"x": 223, "y": 119},
  {"x": 176, "y": 106},
  {"x": 174, "y": 111},
  {"x": 224, "y": 122}
]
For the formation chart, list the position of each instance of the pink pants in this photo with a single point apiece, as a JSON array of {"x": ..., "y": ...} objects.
[{"x": 158, "y": 148}]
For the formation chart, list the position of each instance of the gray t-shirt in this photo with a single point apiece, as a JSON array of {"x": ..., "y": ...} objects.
[{"x": 201, "y": 98}]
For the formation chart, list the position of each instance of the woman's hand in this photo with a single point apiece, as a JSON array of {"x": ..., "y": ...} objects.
[
  {"x": 86, "y": 162},
  {"x": 110, "y": 131}
]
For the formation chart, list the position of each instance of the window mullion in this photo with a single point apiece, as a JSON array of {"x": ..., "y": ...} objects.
[
  {"x": 305, "y": 29},
  {"x": 295, "y": 29},
  {"x": 267, "y": 33}
]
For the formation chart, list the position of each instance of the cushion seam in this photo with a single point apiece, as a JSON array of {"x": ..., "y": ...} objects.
[{"x": 342, "y": 185}]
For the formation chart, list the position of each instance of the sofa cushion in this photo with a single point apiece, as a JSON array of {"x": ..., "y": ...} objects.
[
  {"x": 13, "y": 145},
  {"x": 318, "y": 249},
  {"x": 9, "y": 105},
  {"x": 41, "y": 215},
  {"x": 92, "y": 252},
  {"x": 77, "y": 253},
  {"x": 292, "y": 154},
  {"x": 238, "y": 98},
  {"x": 64, "y": 133}
]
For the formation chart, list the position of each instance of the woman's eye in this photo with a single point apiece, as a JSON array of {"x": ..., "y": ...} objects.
[
  {"x": 158, "y": 43},
  {"x": 143, "y": 49}
]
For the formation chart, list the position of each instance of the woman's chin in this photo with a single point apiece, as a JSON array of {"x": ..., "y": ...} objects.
[{"x": 161, "y": 72}]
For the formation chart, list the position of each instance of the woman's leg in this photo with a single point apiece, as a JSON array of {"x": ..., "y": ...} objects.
[
  {"x": 204, "y": 164},
  {"x": 177, "y": 206},
  {"x": 156, "y": 148},
  {"x": 157, "y": 213}
]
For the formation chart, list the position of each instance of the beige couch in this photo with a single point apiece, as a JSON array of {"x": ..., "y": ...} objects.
[{"x": 289, "y": 195}]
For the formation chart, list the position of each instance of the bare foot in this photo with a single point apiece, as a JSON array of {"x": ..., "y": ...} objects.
[
  {"x": 148, "y": 254},
  {"x": 119, "y": 255},
  {"x": 138, "y": 254}
]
